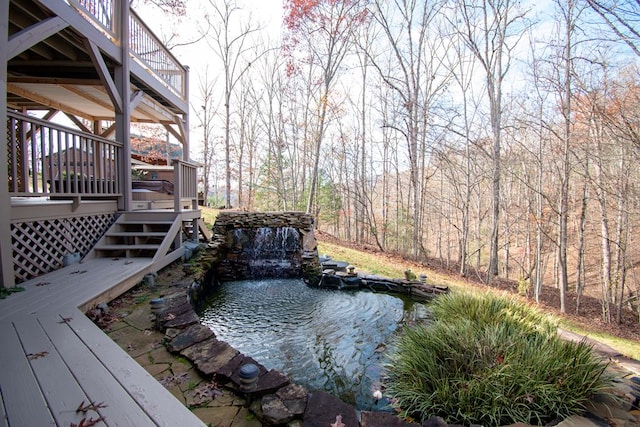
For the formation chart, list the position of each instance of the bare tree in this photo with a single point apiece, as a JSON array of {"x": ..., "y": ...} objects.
[
  {"x": 414, "y": 70},
  {"x": 623, "y": 17},
  {"x": 323, "y": 31},
  {"x": 230, "y": 39},
  {"x": 206, "y": 118},
  {"x": 491, "y": 30}
]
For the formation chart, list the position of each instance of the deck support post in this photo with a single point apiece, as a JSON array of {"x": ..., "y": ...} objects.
[
  {"x": 123, "y": 118},
  {"x": 7, "y": 276}
]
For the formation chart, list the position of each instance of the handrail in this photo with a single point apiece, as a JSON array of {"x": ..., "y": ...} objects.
[
  {"x": 185, "y": 184},
  {"x": 47, "y": 159},
  {"x": 101, "y": 13},
  {"x": 147, "y": 48},
  {"x": 144, "y": 46}
]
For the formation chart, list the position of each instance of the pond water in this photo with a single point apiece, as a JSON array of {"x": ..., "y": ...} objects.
[{"x": 322, "y": 339}]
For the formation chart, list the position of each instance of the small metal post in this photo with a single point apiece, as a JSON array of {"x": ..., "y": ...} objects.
[
  {"x": 248, "y": 379},
  {"x": 158, "y": 306}
]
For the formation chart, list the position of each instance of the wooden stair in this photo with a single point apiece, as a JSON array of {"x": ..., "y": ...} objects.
[{"x": 142, "y": 234}]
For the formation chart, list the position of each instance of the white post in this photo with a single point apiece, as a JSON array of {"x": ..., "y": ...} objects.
[{"x": 6, "y": 249}]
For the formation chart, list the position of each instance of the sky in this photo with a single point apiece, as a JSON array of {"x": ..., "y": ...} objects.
[{"x": 198, "y": 56}]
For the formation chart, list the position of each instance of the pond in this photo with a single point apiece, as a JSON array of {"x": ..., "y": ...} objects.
[{"x": 322, "y": 339}]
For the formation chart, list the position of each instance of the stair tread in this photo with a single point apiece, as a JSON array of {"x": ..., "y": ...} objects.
[
  {"x": 136, "y": 233},
  {"x": 145, "y": 222},
  {"x": 116, "y": 247}
]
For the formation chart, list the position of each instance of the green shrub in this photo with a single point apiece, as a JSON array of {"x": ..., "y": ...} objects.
[{"x": 493, "y": 361}]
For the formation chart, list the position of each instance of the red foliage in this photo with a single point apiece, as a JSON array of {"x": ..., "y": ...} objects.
[{"x": 297, "y": 11}]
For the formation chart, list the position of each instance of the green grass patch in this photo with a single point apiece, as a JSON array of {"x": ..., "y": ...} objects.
[
  {"x": 209, "y": 215},
  {"x": 491, "y": 360},
  {"x": 377, "y": 264},
  {"x": 142, "y": 299},
  {"x": 629, "y": 348}
]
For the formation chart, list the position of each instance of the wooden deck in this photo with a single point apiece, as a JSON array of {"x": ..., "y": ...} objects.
[{"x": 60, "y": 369}]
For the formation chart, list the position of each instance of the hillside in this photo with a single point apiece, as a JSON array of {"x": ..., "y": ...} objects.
[{"x": 588, "y": 320}]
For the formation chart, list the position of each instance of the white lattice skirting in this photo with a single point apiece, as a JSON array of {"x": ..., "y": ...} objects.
[{"x": 39, "y": 246}]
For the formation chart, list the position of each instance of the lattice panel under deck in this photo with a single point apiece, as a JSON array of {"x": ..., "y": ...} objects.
[{"x": 38, "y": 247}]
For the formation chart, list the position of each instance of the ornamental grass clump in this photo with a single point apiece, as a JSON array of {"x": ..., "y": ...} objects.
[{"x": 493, "y": 361}]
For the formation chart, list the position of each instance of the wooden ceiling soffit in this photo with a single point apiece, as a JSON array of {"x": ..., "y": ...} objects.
[
  {"x": 88, "y": 97},
  {"x": 33, "y": 35},
  {"x": 105, "y": 77},
  {"x": 11, "y": 88},
  {"x": 139, "y": 104},
  {"x": 53, "y": 80},
  {"x": 156, "y": 112}
]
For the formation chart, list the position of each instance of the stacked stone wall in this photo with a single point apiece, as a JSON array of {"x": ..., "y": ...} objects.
[{"x": 222, "y": 261}]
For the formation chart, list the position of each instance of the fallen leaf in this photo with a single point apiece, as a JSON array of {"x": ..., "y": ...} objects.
[{"x": 34, "y": 356}]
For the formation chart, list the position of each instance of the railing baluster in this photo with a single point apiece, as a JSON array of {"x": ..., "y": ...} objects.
[
  {"x": 144, "y": 45},
  {"x": 185, "y": 179},
  {"x": 48, "y": 158}
]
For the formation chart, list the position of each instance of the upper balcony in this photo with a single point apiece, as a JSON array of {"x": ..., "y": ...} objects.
[
  {"x": 60, "y": 73},
  {"x": 144, "y": 46}
]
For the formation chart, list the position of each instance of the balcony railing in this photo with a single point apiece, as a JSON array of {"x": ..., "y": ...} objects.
[
  {"x": 148, "y": 49},
  {"x": 145, "y": 47},
  {"x": 46, "y": 159},
  {"x": 185, "y": 183}
]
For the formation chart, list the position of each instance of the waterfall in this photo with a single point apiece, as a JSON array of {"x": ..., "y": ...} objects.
[{"x": 269, "y": 251}]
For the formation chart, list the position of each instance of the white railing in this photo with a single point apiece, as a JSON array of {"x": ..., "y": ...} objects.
[
  {"x": 144, "y": 46},
  {"x": 148, "y": 49},
  {"x": 46, "y": 159},
  {"x": 185, "y": 184},
  {"x": 101, "y": 13}
]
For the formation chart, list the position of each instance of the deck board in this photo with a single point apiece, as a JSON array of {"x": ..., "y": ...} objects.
[
  {"x": 4, "y": 422},
  {"x": 23, "y": 401},
  {"x": 149, "y": 394},
  {"x": 93, "y": 376},
  {"x": 72, "y": 286},
  {"x": 81, "y": 362},
  {"x": 58, "y": 385}
]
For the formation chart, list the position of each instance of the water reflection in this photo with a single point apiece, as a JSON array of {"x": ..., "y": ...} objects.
[{"x": 322, "y": 339}]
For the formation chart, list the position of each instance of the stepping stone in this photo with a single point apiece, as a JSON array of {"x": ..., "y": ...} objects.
[
  {"x": 230, "y": 370},
  {"x": 210, "y": 355},
  {"x": 383, "y": 419},
  {"x": 274, "y": 411},
  {"x": 179, "y": 309},
  {"x": 186, "y": 319},
  {"x": 271, "y": 382},
  {"x": 294, "y": 397},
  {"x": 188, "y": 337},
  {"x": 323, "y": 409}
]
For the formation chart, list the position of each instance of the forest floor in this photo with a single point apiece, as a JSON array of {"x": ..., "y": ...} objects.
[{"x": 588, "y": 317}]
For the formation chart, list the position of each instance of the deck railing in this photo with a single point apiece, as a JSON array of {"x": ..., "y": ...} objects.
[
  {"x": 148, "y": 49},
  {"x": 101, "y": 13},
  {"x": 46, "y": 159},
  {"x": 145, "y": 47},
  {"x": 185, "y": 184}
]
